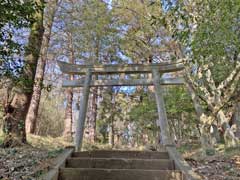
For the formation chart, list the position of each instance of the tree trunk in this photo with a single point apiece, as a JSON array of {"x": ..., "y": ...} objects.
[
  {"x": 204, "y": 131},
  {"x": 229, "y": 137},
  {"x": 93, "y": 116},
  {"x": 15, "y": 114},
  {"x": 236, "y": 120},
  {"x": 16, "y": 110},
  {"x": 93, "y": 103},
  {"x": 112, "y": 132},
  {"x": 31, "y": 119},
  {"x": 68, "y": 120},
  {"x": 75, "y": 117}
]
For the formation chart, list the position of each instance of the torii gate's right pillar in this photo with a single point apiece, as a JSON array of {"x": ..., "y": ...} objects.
[{"x": 164, "y": 127}]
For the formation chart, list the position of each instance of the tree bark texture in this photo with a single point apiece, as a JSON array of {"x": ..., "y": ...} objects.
[
  {"x": 236, "y": 119},
  {"x": 111, "y": 133},
  {"x": 16, "y": 110},
  {"x": 229, "y": 137},
  {"x": 204, "y": 138},
  {"x": 31, "y": 119},
  {"x": 92, "y": 116},
  {"x": 67, "y": 133},
  {"x": 92, "y": 113},
  {"x": 68, "y": 120}
]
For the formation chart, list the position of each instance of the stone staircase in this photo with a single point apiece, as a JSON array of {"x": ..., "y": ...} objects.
[{"x": 119, "y": 165}]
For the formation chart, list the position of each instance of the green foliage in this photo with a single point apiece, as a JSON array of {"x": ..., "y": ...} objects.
[
  {"x": 51, "y": 115},
  {"x": 17, "y": 13},
  {"x": 142, "y": 39},
  {"x": 217, "y": 37},
  {"x": 142, "y": 118},
  {"x": 93, "y": 31},
  {"x": 178, "y": 101},
  {"x": 144, "y": 113},
  {"x": 180, "y": 112},
  {"x": 210, "y": 33},
  {"x": 112, "y": 113},
  {"x": 14, "y": 16}
]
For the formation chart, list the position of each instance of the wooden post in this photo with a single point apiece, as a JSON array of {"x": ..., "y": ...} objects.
[
  {"x": 165, "y": 134},
  {"x": 82, "y": 112}
]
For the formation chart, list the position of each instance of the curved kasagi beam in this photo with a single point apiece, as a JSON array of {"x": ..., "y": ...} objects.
[{"x": 68, "y": 68}]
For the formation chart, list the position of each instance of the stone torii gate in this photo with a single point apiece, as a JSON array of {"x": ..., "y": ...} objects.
[{"x": 157, "y": 70}]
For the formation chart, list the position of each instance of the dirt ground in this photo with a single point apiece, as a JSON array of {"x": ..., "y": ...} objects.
[
  {"x": 223, "y": 165},
  {"x": 30, "y": 161},
  {"x": 218, "y": 168}
]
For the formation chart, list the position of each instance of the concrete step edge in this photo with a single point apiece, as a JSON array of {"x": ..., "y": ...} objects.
[
  {"x": 123, "y": 170},
  {"x": 113, "y": 158}
]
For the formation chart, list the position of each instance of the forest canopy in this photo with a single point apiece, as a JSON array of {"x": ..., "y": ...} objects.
[{"x": 203, "y": 110}]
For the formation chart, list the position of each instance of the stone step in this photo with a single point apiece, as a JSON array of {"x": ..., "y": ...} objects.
[
  {"x": 118, "y": 174},
  {"x": 123, "y": 154},
  {"x": 113, "y": 163}
]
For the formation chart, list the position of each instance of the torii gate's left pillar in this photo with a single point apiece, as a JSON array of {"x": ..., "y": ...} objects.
[{"x": 83, "y": 111}]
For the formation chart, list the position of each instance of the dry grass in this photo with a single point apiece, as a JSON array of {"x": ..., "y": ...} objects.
[
  {"x": 44, "y": 142},
  {"x": 47, "y": 142},
  {"x": 197, "y": 153}
]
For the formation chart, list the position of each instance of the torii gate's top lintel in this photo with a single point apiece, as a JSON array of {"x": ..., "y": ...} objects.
[{"x": 119, "y": 68}]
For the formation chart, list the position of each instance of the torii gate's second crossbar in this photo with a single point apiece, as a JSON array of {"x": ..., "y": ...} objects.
[{"x": 156, "y": 69}]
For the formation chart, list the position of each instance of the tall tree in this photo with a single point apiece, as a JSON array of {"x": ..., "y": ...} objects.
[
  {"x": 31, "y": 119},
  {"x": 95, "y": 40},
  {"x": 68, "y": 124},
  {"x": 111, "y": 111},
  {"x": 17, "y": 107},
  {"x": 142, "y": 40},
  {"x": 209, "y": 34}
]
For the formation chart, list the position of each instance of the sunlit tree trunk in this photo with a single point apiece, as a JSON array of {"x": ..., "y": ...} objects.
[
  {"x": 31, "y": 119},
  {"x": 16, "y": 110},
  {"x": 229, "y": 137},
  {"x": 236, "y": 119},
  {"x": 93, "y": 116},
  {"x": 204, "y": 132},
  {"x": 112, "y": 133},
  {"x": 94, "y": 99},
  {"x": 68, "y": 121}
]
